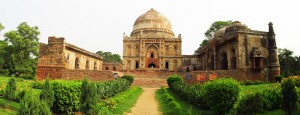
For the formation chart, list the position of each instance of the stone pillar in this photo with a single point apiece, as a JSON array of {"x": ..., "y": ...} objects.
[{"x": 274, "y": 67}]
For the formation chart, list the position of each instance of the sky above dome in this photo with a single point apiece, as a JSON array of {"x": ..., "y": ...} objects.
[{"x": 98, "y": 25}]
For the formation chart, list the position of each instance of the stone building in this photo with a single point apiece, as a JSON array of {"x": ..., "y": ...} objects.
[
  {"x": 152, "y": 44},
  {"x": 249, "y": 53},
  {"x": 112, "y": 66},
  {"x": 59, "y": 59}
]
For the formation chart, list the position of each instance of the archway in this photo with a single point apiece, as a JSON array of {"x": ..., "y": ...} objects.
[
  {"x": 152, "y": 56},
  {"x": 87, "y": 65},
  {"x": 224, "y": 62},
  {"x": 136, "y": 64},
  {"x": 167, "y": 65},
  {"x": 95, "y": 65},
  {"x": 152, "y": 65},
  {"x": 77, "y": 63},
  {"x": 106, "y": 68},
  {"x": 114, "y": 69}
]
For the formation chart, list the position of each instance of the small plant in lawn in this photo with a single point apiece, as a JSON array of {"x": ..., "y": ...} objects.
[
  {"x": 173, "y": 78},
  {"x": 11, "y": 89},
  {"x": 289, "y": 96},
  {"x": 47, "y": 93},
  {"x": 278, "y": 78}
]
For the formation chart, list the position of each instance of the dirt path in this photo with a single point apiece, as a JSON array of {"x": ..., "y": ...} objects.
[{"x": 146, "y": 104}]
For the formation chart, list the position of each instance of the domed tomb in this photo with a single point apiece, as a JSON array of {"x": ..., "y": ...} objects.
[{"x": 152, "y": 23}]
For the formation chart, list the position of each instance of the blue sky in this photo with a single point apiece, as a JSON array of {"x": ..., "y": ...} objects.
[{"x": 97, "y": 25}]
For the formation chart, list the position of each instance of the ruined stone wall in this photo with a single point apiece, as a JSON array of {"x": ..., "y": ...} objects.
[
  {"x": 58, "y": 60},
  {"x": 112, "y": 66}
]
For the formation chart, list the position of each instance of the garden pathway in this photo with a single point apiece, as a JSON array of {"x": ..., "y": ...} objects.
[{"x": 146, "y": 104}]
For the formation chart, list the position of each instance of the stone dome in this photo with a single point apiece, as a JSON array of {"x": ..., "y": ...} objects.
[
  {"x": 152, "y": 22},
  {"x": 219, "y": 33},
  {"x": 236, "y": 26}
]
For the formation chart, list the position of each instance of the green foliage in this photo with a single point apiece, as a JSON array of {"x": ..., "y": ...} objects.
[
  {"x": 222, "y": 94},
  {"x": 20, "y": 54},
  {"x": 14, "y": 106},
  {"x": 47, "y": 93},
  {"x": 289, "y": 96},
  {"x": 169, "y": 102},
  {"x": 194, "y": 94},
  {"x": 111, "y": 88},
  {"x": 11, "y": 89},
  {"x": 109, "y": 57},
  {"x": 278, "y": 78},
  {"x": 288, "y": 64},
  {"x": 32, "y": 105},
  {"x": 3, "y": 102},
  {"x": 67, "y": 96},
  {"x": 37, "y": 84},
  {"x": 202, "y": 45},
  {"x": 173, "y": 78},
  {"x": 129, "y": 78},
  {"x": 27, "y": 76},
  {"x": 249, "y": 82},
  {"x": 89, "y": 98},
  {"x": 20, "y": 95},
  {"x": 216, "y": 26},
  {"x": 250, "y": 104},
  {"x": 272, "y": 98}
]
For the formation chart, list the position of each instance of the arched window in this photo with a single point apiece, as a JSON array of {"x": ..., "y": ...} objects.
[
  {"x": 114, "y": 69},
  {"x": 87, "y": 65},
  {"x": 77, "y": 63},
  {"x": 152, "y": 55},
  {"x": 224, "y": 61},
  {"x": 95, "y": 65},
  {"x": 106, "y": 68}
]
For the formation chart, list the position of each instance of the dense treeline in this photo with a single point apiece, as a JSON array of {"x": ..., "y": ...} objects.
[
  {"x": 289, "y": 64},
  {"x": 109, "y": 57}
]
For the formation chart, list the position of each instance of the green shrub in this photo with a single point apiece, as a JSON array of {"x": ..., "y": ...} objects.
[
  {"x": 32, "y": 105},
  {"x": 47, "y": 93},
  {"x": 173, "y": 78},
  {"x": 67, "y": 96},
  {"x": 111, "y": 88},
  {"x": 278, "y": 78},
  {"x": 89, "y": 98},
  {"x": 4, "y": 71},
  {"x": 195, "y": 94},
  {"x": 27, "y": 76},
  {"x": 10, "y": 90},
  {"x": 289, "y": 96},
  {"x": 250, "y": 104},
  {"x": 3, "y": 102},
  {"x": 20, "y": 95},
  {"x": 249, "y": 82},
  {"x": 222, "y": 94},
  {"x": 128, "y": 77},
  {"x": 104, "y": 111},
  {"x": 37, "y": 85},
  {"x": 176, "y": 109},
  {"x": 272, "y": 98},
  {"x": 14, "y": 105}
]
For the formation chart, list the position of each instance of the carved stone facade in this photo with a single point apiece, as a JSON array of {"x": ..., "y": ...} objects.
[
  {"x": 59, "y": 59},
  {"x": 152, "y": 44},
  {"x": 236, "y": 47}
]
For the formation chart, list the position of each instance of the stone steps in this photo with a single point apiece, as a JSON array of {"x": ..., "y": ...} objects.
[{"x": 150, "y": 82}]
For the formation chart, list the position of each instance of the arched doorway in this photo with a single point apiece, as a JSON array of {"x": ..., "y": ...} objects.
[
  {"x": 87, "y": 65},
  {"x": 224, "y": 61},
  {"x": 152, "y": 65},
  {"x": 167, "y": 65},
  {"x": 136, "y": 64},
  {"x": 152, "y": 56},
  {"x": 77, "y": 63},
  {"x": 106, "y": 68},
  {"x": 114, "y": 69},
  {"x": 95, "y": 65}
]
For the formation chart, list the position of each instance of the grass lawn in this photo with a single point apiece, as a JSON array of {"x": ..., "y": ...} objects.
[
  {"x": 258, "y": 88},
  {"x": 4, "y": 111}
]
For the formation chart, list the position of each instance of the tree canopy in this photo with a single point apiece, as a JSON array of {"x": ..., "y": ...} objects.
[
  {"x": 289, "y": 64},
  {"x": 216, "y": 26},
  {"x": 210, "y": 33},
  {"x": 22, "y": 49},
  {"x": 109, "y": 57}
]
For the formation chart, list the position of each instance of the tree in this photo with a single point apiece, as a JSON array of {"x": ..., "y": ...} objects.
[
  {"x": 89, "y": 99},
  {"x": 287, "y": 62},
  {"x": 211, "y": 31},
  {"x": 23, "y": 49},
  {"x": 32, "y": 105},
  {"x": 289, "y": 96},
  {"x": 47, "y": 93},
  {"x": 109, "y": 57},
  {"x": 216, "y": 26},
  {"x": 11, "y": 88},
  {"x": 3, "y": 44},
  {"x": 1, "y": 27}
]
